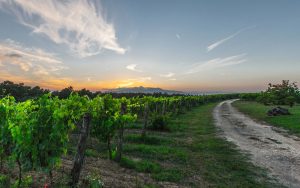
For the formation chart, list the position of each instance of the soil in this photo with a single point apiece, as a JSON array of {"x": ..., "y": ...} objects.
[
  {"x": 269, "y": 147},
  {"x": 112, "y": 175}
]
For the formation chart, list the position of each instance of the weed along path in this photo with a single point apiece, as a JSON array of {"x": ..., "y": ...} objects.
[{"x": 270, "y": 148}]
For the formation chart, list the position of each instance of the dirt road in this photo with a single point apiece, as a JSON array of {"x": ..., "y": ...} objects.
[{"x": 270, "y": 147}]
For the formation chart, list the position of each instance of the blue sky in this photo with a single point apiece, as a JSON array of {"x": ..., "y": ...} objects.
[{"x": 192, "y": 45}]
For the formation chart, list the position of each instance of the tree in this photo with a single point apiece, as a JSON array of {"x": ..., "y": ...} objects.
[
  {"x": 66, "y": 92},
  {"x": 85, "y": 92},
  {"x": 285, "y": 93}
]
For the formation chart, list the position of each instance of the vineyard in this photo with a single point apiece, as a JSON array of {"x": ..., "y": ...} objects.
[
  {"x": 35, "y": 134},
  {"x": 149, "y": 94}
]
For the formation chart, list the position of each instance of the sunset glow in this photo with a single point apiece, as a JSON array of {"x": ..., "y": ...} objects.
[{"x": 180, "y": 45}]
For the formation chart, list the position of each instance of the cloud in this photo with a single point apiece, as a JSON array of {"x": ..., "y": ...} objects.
[
  {"x": 32, "y": 60},
  {"x": 132, "y": 67},
  {"x": 133, "y": 81},
  {"x": 168, "y": 75},
  {"x": 13, "y": 55},
  {"x": 217, "y": 63},
  {"x": 79, "y": 24},
  {"x": 178, "y": 36},
  {"x": 218, "y": 43}
]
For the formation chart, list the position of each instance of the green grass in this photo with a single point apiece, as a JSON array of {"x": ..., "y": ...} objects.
[
  {"x": 91, "y": 153},
  {"x": 150, "y": 140},
  {"x": 156, "y": 152},
  {"x": 173, "y": 174},
  {"x": 141, "y": 165},
  {"x": 258, "y": 111},
  {"x": 192, "y": 149}
]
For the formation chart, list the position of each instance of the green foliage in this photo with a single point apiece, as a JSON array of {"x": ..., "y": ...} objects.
[
  {"x": 104, "y": 115},
  {"x": 20, "y": 92},
  {"x": 37, "y": 130},
  {"x": 159, "y": 122},
  {"x": 285, "y": 93},
  {"x": 92, "y": 181},
  {"x": 91, "y": 153},
  {"x": 6, "y": 110},
  {"x": 27, "y": 182},
  {"x": 107, "y": 118},
  {"x": 40, "y": 129},
  {"x": 249, "y": 96},
  {"x": 4, "y": 181},
  {"x": 35, "y": 133}
]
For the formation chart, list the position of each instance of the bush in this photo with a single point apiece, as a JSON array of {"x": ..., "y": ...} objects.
[
  {"x": 159, "y": 122},
  {"x": 285, "y": 93}
]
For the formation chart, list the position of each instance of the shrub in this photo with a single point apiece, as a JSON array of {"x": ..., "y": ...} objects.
[
  {"x": 159, "y": 122},
  {"x": 285, "y": 93}
]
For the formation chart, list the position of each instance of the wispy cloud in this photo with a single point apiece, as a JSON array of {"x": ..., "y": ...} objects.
[
  {"x": 218, "y": 43},
  {"x": 133, "y": 81},
  {"x": 79, "y": 24},
  {"x": 178, "y": 36},
  {"x": 32, "y": 60},
  {"x": 217, "y": 63},
  {"x": 132, "y": 67},
  {"x": 168, "y": 75}
]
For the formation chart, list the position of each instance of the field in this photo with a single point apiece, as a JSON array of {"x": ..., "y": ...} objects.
[
  {"x": 258, "y": 111},
  {"x": 149, "y": 94},
  {"x": 84, "y": 139},
  {"x": 189, "y": 152},
  {"x": 192, "y": 155}
]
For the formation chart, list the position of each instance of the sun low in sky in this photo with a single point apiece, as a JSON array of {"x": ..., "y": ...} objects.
[{"x": 192, "y": 45}]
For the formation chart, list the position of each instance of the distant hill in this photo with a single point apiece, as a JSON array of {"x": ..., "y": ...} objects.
[{"x": 141, "y": 89}]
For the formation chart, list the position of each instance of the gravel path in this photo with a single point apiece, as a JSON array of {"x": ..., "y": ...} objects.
[{"x": 270, "y": 147}]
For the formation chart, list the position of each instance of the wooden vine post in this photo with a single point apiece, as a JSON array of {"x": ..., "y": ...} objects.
[{"x": 81, "y": 147}]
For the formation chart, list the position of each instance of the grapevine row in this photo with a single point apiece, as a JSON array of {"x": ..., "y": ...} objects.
[{"x": 34, "y": 134}]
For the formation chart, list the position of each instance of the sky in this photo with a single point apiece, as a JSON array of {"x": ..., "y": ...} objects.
[{"x": 187, "y": 45}]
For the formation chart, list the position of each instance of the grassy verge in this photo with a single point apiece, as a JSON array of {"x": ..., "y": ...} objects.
[
  {"x": 258, "y": 111},
  {"x": 192, "y": 155}
]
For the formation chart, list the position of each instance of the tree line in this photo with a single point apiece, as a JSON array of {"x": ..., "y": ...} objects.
[{"x": 22, "y": 92}]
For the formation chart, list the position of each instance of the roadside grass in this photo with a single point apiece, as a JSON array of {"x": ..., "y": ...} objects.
[
  {"x": 192, "y": 154},
  {"x": 259, "y": 111}
]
